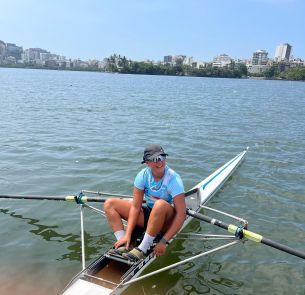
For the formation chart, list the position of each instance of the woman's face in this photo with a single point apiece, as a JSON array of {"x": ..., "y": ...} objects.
[{"x": 157, "y": 167}]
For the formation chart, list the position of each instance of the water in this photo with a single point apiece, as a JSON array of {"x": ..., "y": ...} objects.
[{"x": 66, "y": 131}]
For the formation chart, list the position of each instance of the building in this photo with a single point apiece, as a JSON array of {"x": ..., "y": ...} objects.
[
  {"x": 12, "y": 50},
  {"x": 257, "y": 69},
  {"x": 199, "y": 64},
  {"x": 297, "y": 63},
  {"x": 221, "y": 61},
  {"x": 77, "y": 63},
  {"x": 44, "y": 56},
  {"x": 283, "y": 52},
  {"x": 168, "y": 59},
  {"x": 179, "y": 58},
  {"x": 2, "y": 50},
  {"x": 34, "y": 55},
  {"x": 175, "y": 60},
  {"x": 260, "y": 57}
]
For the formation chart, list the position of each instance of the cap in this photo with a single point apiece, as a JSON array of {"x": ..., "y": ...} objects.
[{"x": 152, "y": 151}]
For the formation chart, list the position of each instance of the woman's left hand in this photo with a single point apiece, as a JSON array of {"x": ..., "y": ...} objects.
[{"x": 159, "y": 249}]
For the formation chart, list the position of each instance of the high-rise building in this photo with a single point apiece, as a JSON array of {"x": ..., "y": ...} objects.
[
  {"x": 260, "y": 57},
  {"x": 2, "y": 49},
  {"x": 168, "y": 59},
  {"x": 283, "y": 52},
  {"x": 13, "y": 50}
]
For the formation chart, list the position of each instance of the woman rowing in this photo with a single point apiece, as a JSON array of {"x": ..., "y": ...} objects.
[{"x": 164, "y": 211}]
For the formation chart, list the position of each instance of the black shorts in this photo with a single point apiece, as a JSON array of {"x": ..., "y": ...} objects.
[
  {"x": 138, "y": 231},
  {"x": 146, "y": 212}
]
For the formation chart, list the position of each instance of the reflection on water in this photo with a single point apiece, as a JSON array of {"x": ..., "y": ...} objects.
[
  {"x": 50, "y": 234},
  {"x": 209, "y": 280}
]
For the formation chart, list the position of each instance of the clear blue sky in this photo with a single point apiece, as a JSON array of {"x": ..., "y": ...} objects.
[{"x": 150, "y": 29}]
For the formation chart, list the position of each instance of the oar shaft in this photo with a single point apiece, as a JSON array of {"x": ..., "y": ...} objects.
[
  {"x": 247, "y": 234},
  {"x": 55, "y": 198},
  {"x": 283, "y": 248},
  {"x": 82, "y": 198}
]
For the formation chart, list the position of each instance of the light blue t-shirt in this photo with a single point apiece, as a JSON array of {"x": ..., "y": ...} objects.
[{"x": 166, "y": 189}]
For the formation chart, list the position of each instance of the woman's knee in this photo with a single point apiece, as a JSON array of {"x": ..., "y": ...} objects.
[
  {"x": 117, "y": 206},
  {"x": 161, "y": 205},
  {"x": 109, "y": 204}
]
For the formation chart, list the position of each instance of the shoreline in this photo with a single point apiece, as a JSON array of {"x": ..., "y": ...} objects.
[{"x": 146, "y": 74}]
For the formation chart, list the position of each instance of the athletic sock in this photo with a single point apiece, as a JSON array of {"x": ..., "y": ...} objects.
[
  {"x": 119, "y": 234},
  {"x": 146, "y": 242}
]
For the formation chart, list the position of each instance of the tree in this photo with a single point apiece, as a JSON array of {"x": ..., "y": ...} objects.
[
  {"x": 271, "y": 72},
  {"x": 294, "y": 74}
]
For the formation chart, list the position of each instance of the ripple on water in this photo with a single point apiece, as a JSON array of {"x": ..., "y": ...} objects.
[{"x": 66, "y": 131}]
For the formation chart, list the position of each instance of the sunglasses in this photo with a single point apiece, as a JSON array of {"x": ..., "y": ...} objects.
[{"x": 157, "y": 159}]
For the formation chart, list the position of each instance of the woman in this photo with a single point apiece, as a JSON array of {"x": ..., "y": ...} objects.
[{"x": 164, "y": 211}]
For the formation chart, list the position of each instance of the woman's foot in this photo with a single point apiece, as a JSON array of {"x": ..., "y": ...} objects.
[
  {"x": 135, "y": 254},
  {"x": 119, "y": 251}
]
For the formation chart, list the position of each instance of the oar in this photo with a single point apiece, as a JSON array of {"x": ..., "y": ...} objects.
[
  {"x": 244, "y": 233},
  {"x": 79, "y": 199}
]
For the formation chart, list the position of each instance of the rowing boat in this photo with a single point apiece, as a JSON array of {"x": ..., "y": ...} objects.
[{"x": 110, "y": 274}]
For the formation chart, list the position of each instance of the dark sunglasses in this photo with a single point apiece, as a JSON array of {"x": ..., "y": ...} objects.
[{"x": 157, "y": 159}]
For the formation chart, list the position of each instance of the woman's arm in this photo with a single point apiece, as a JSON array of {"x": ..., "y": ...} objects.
[
  {"x": 133, "y": 216},
  {"x": 179, "y": 218}
]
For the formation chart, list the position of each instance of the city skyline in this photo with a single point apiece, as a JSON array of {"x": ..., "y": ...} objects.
[
  {"x": 161, "y": 59},
  {"x": 151, "y": 30}
]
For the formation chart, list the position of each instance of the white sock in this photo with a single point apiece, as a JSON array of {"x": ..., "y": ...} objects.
[
  {"x": 146, "y": 242},
  {"x": 119, "y": 234}
]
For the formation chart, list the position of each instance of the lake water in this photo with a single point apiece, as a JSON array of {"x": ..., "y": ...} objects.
[{"x": 62, "y": 132}]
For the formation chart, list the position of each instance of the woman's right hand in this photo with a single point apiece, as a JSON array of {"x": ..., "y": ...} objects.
[{"x": 125, "y": 240}]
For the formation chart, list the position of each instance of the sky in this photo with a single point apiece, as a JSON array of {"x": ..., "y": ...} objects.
[{"x": 151, "y": 29}]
